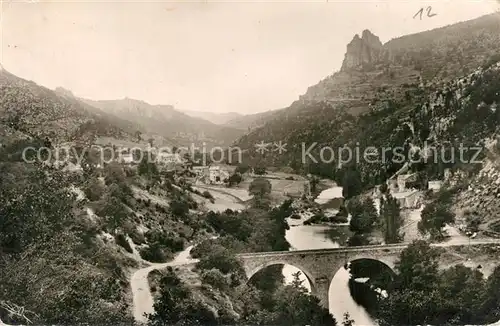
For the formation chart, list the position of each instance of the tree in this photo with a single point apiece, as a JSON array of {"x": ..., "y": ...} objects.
[
  {"x": 242, "y": 168},
  {"x": 42, "y": 236},
  {"x": 259, "y": 170},
  {"x": 363, "y": 215},
  {"x": 179, "y": 207},
  {"x": 260, "y": 189},
  {"x": 234, "y": 179},
  {"x": 114, "y": 213},
  {"x": 491, "y": 308},
  {"x": 114, "y": 174},
  {"x": 391, "y": 216},
  {"x": 297, "y": 283},
  {"x": 138, "y": 136},
  {"x": 176, "y": 305},
  {"x": 33, "y": 209},
  {"x": 94, "y": 190},
  {"x": 462, "y": 291},
  {"x": 351, "y": 184},
  {"x": 147, "y": 168},
  {"x": 314, "y": 184},
  {"x": 295, "y": 307},
  {"x": 413, "y": 298},
  {"x": 207, "y": 195},
  {"x": 215, "y": 278},
  {"x": 434, "y": 217},
  {"x": 422, "y": 295},
  {"x": 418, "y": 266}
]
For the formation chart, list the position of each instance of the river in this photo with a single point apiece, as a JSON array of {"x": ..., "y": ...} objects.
[{"x": 302, "y": 237}]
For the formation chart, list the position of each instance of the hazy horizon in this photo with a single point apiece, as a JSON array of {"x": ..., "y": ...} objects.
[{"x": 213, "y": 57}]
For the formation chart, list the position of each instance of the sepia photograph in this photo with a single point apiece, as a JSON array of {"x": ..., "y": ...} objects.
[{"x": 274, "y": 163}]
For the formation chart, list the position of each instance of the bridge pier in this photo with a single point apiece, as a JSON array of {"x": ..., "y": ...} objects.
[{"x": 320, "y": 290}]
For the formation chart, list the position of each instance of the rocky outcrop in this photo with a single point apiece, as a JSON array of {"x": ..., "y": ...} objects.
[{"x": 363, "y": 51}]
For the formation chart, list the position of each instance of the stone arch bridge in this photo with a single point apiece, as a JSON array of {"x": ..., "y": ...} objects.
[{"x": 321, "y": 265}]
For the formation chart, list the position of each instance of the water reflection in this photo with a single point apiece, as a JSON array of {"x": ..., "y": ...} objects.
[
  {"x": 303, "y": 237},
  {"x": 339, "y": 234}
]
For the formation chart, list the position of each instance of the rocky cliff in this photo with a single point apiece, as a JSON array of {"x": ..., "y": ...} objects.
[{"x": 363, "y": 51}]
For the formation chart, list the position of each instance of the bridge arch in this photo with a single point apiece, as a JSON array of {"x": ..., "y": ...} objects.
[
  {"x": 309, "y": 276},
  {"x": 388, "y": 260},
  {"x": 349, "y": 283}
]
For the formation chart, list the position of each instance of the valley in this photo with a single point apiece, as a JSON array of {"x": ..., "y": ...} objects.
[{"x": 134, "y": 226}]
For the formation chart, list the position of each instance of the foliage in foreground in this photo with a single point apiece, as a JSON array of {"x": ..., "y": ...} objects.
[
  {"x": 50, "y": 264},
  {"x": 423, "y": 295}
]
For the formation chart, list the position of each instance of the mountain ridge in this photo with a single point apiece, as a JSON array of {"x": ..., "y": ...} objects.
[{"x": 381, "y": 86}]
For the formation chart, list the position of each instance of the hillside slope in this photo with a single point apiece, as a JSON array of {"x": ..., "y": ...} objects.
[
  {"x": 251, "y": 121},
  {"x": 378, "y": 87},
  {"x": 168, "y": 122},
  {"x": 30, "y": 110}
]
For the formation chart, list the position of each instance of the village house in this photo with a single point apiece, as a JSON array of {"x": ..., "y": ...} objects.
[
  {"x": 210, "y": 174},
  {"x": 404, "y": 179},
  {"x": 407, "y": 198},
  {"x": 217, "y": 175},
  {"x": 169, "y": 158},
  {"x": 200, "y": 171}
]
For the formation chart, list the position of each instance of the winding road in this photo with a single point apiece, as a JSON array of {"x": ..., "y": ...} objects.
[{"x": 142, "y": 298}]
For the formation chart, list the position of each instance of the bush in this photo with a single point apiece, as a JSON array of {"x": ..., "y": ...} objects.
[
  {"x": 259, "y": 170},
  {"x": 137, "y": 236},
  {"x": 235, "y": 178},
  {"x": 207, "y": 195},
  {"x": 242, "y": 168},
  {"x": 357, "y": 240},
  {"x": 121, "y": 240},
  {"x": 220, "y": 259},
  {"x": 94, "y": 190},
  {"x": 167, "y": 240},
  {"x": 179, "y": 208},
  {"x": 339, "y": 218},
  {"x": 317, "y": 218},
  {"x": 215, "y": 278},
  {"x": 202, "y": 249},
  {"x": 155, "y": 254}
]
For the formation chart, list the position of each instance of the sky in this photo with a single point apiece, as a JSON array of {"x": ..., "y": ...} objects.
[{"x": 244, "y": 57}]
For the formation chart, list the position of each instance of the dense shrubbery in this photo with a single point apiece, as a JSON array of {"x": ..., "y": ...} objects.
[
  {"x": 51, "y": 265},
  {"x": 424, "y": 295},
  {"x": 121, "y": 240},
  {"x": 155, "y": 253}
]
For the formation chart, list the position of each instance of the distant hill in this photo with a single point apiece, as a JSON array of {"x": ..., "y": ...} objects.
[
  {"x": 251, "y": 121},
  {"x": 169, "y": 122},
  {"x": 217, "y": 118},
  {"x": 31, "y": 110}
]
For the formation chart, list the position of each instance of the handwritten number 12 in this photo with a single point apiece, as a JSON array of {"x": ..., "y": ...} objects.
[{"x": 421, "y": 12}]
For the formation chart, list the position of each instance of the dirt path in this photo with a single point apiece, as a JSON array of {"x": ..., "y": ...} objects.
[{"x": 143, "y": 300}]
